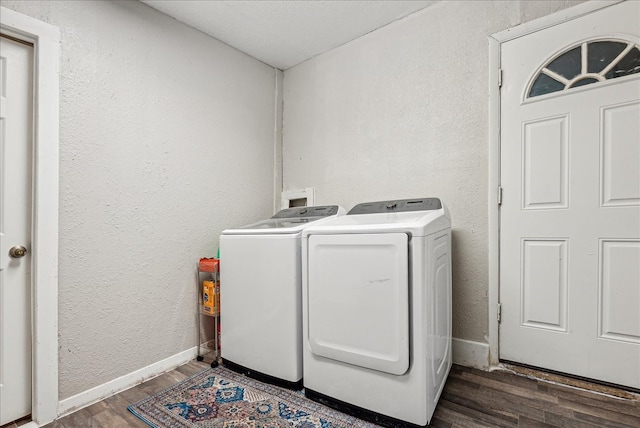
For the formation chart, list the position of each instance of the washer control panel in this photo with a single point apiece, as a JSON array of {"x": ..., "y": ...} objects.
[
  {"x": 398, "y": 205},
  {"x": 322, "y": 211}
]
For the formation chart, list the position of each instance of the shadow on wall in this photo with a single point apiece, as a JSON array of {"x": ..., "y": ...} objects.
[{"x": 459, "y": 282}]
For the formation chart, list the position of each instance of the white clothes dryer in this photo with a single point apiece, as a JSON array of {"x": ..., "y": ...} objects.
[
  {"x": 377, "y": 310},
  {"x": 261, "y": 295}
]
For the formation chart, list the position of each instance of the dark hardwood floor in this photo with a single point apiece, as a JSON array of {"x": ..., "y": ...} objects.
[{"x": 471, "y": 398}]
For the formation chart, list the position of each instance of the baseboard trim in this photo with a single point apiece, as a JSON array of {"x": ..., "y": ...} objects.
[
  {"x": 100, "y": 392},
  {"x": 465, "y": 353},
  {"x": 470, "y": 354}
]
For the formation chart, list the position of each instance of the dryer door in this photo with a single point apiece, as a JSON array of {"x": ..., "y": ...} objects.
[{"x": 358, "y": 304}]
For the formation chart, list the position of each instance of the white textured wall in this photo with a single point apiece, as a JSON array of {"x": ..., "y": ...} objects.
[
  {"x": 166, "y": 138},
  {"x": 403, "y": 112}
]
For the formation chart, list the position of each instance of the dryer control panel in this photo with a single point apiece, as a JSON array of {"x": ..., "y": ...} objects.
[
  {"x": 400, "y": 205},
  {"x": 321, "y": 211}
]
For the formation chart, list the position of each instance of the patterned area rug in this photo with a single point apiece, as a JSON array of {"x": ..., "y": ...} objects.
[{"x": 218, "y": 397}]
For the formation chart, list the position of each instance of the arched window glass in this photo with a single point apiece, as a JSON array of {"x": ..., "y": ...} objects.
[{"x": 587, "y": 63}]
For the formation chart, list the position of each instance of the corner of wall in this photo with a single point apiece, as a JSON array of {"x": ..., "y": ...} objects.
[
  {"x": 470, "y": 354},
  {"x": 277, "y": 139}
]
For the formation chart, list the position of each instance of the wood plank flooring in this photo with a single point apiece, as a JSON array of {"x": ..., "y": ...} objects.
[{"x": 471, "y": 398}]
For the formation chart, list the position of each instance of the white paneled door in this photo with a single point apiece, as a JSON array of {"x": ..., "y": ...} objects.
[
  {"x": 570, "y": 214},
  {"x": 16, "y": 101}
]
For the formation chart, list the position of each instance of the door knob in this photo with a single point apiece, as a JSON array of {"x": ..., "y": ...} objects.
[{"x": 17, "y": 251}]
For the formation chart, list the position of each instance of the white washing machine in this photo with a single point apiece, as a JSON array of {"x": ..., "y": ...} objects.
[
  {"x": 377, "y": 310},
  {"x": 261, "y": 295}
]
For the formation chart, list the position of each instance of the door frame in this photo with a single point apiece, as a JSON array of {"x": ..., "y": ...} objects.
[
  {"x": 495, "y": 77},
  {"x": 44, "y": 245}
]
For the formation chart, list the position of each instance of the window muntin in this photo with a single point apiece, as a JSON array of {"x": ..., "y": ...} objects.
[{"x": 586, "y": 63}]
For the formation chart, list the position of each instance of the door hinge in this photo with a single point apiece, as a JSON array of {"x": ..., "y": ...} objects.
[
  {"x": 499, "y": 312},
  {"x": 499, "y": 78},
  {"x": 499, "y": 195}
]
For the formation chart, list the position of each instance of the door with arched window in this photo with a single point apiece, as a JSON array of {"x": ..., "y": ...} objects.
[{"x": 570, "y": 213}]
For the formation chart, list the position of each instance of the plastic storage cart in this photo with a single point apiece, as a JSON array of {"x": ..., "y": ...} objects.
[{"x": 208, "y": 308}]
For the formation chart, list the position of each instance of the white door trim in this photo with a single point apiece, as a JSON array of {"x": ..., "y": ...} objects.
[
  {"x": 45, "y": 39},
  {"x": 495, "y": 41}
]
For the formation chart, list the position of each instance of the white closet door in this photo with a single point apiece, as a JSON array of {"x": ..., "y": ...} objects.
[{"x": 16, "y": 95}]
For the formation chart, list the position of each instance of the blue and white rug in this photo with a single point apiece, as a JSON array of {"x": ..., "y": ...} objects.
[{"x": 220, "y": 398}]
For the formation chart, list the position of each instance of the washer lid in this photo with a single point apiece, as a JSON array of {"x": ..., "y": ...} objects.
[
  {"x": 418, "y": 217},
  {"x": 290, "y": 220}
]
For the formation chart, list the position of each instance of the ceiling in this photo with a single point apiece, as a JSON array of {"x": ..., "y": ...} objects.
[{"x": 285, "y": 33}]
